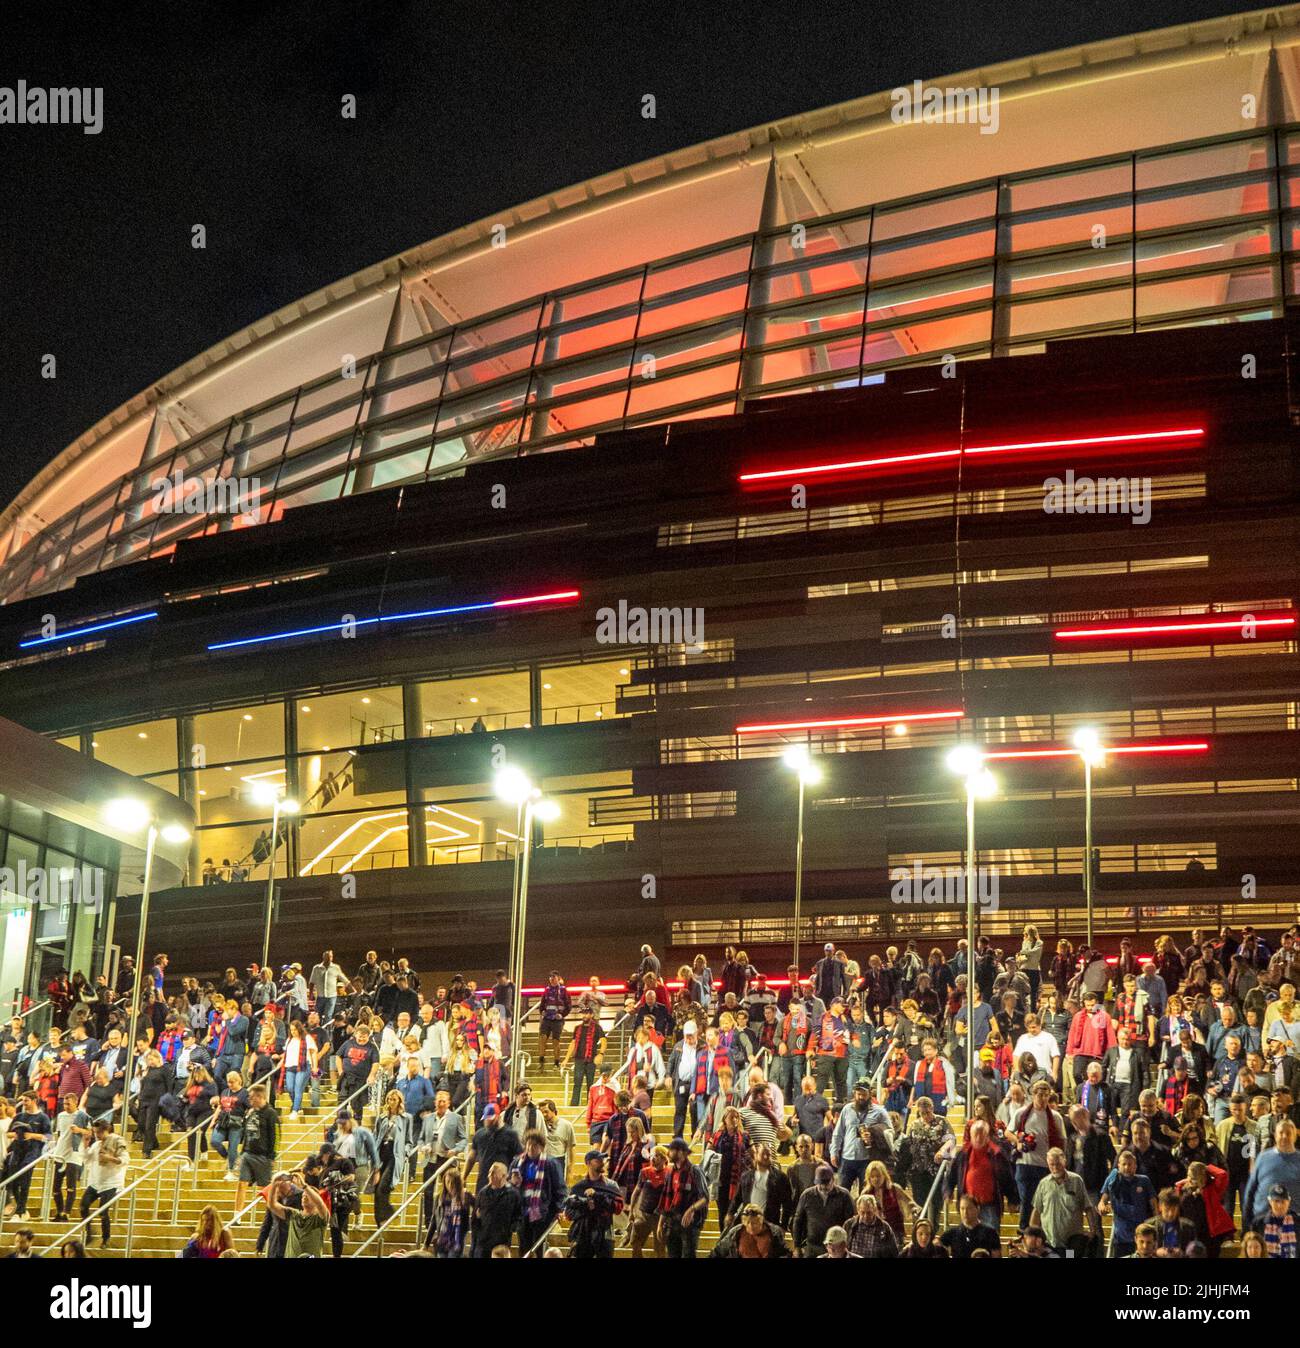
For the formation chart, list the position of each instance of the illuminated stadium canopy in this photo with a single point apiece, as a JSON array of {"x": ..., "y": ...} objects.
[{"x": 1131, "y": 184}]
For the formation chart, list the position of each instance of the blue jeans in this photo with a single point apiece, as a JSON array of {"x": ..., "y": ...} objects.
[
  {"x": 1028, "y": 1178},
  {"x": 325, "y": 1009},
  {"x": 315, "y": 1090},
  {"x": 858, "y": 1071},
  {"x": 231, "y": 1133},
  {"x": 295, "y": 1081}
]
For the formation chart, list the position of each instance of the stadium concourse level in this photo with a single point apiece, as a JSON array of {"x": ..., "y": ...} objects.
[{"x": 1142, "y": 1106}]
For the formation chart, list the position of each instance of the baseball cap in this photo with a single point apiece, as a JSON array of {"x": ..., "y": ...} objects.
[
  {"x": 490, "y": 1112},
  {"x": 679, "y": 1144},
  {"x": 837, "y": 1236},
  {"x": 595, "y": 1154},
  {"x": 1279, "y": 1191}
]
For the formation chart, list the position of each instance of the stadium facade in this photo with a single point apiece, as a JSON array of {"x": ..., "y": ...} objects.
[{"x": 859, "y": 431}]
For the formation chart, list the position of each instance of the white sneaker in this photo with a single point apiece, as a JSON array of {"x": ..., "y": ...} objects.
[
  {"x": 229, "y": 1175},
  {"x": 188, "y": 1167},
  {"x": 293, "y": 1113}
]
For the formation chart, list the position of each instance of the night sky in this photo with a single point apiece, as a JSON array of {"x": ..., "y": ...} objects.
[{"x": 228, "y": 115}]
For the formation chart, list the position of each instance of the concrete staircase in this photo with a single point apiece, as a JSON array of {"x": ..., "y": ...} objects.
[{"x": 167, "y": 1207}]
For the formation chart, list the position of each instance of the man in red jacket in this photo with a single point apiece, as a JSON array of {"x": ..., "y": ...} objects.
[
  {"x": 1092, "y": 1032},
  {"x": 600, "y": 1106}
]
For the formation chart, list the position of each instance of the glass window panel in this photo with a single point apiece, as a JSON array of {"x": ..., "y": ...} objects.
[
  {"x": 508, "y": 337},
  {"x": 360, "y": 841},
  {"x": 1078, "y": 185},
  {"x": 895, "y": 222},
  {"x": 584, "y": 692},
  {"x": 455, "y": 706},
  {"x": 147, "y": 746},
  {"x": 1072, "y": 312},
  {"x": 908, "y": 339},
  {"x": 1202, "y": 161},
  {"x": 1171, "y": 208},
  {"x": 344, "y": 720},
  {"x": 1254, "y": 285},
  {"x": 833, "y": 361},
  {"x": 827, "y": 275},
  {"x": 1225, "y": 244},
  {"x": 341, "y": 780},
  {"x": 713, "y": 300},
  {"x": 805, "y": 320},
  {"x": 240, "y": 733},
  {"x": 1071, "y": 227},
  {"x": 1069, "y": 269},
  {"x": 926, "y": 294},
  {"x": 655, "y": 395},
  {"x": 962, "y": 244},
  {"x": 413, "y": 375},
  {"x": 230, "y": 849},
  {"x": 704, "y": 270},
  {"x": 227, "y": 794},
  {"x": 822, "y": 243}
]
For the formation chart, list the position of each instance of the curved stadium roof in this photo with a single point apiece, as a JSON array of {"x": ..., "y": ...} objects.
[{"x": 464, "y": 349}]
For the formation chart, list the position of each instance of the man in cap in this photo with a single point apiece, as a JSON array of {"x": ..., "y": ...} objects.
[
  {"x": 590, "y": 1210},
  {"x": 492, "y": 1143},
  {"x": 830, "y": 976},
  {"x": 822, "y": 1206},
  {"x": 688, "y": 1075},
  {"x": 849, "y": 1151},
  {"x": 1278, "y": 1225},
  {"x": 684, "y": 1203}
]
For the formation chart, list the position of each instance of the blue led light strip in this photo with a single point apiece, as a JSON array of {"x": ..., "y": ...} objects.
[
  {"x": 395, "y": 618},
  {"x": 60, "y": 637}
]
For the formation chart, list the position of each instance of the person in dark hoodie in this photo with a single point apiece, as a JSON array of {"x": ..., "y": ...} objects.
[{"x": 497, "y": 1206}]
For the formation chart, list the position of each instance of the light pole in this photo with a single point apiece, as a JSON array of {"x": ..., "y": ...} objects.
[
  {"x": 133, "y": 816},
  {"x": 513, "y": 785},
  {"x": 968, "y": 763},
  {"x": 807, "y": 772},
  {"x": 1093, "y": 753},
  {"x": 266, "y": 793}
]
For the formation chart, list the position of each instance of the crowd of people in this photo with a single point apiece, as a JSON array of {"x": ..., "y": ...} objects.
[{"x": 808, "y": 1119}]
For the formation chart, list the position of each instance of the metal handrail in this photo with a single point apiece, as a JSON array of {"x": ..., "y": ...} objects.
[
  {"x": 22, "y": 1015},
  {"x": 937, "y": 1191},
  {"x": 542, "y": 1239},
  {"x": 257, "y": 1200},
  {"x": 153, "y": 1170},
  {"x": 378, "y": 1234}
]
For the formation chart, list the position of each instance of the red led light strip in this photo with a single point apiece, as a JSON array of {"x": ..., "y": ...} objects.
[
  {"x": 850, "y": 722},
  {"x": 1155, "y": 629},
  {"x": 1177, "y": 436},
  {"x": 1161, "y": 747}
]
